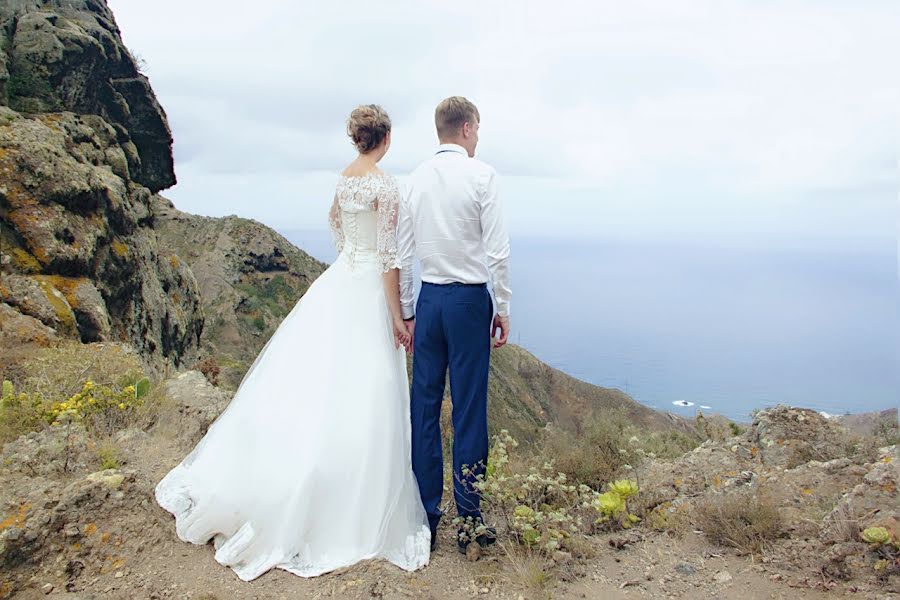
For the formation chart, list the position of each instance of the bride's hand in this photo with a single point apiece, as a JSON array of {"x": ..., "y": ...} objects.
[{"x": 401, "y": 335}]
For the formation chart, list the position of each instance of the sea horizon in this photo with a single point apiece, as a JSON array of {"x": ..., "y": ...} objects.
[{"x": 687, "y": 326}]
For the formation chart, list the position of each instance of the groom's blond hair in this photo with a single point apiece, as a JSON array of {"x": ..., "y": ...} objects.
[{"x": 451, "y": 114}]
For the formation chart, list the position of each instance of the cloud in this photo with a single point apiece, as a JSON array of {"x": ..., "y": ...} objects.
[{"x": 694, "y": 108}]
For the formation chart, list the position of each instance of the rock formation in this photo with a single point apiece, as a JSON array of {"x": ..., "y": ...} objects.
[{"x": 84, "y": 145}]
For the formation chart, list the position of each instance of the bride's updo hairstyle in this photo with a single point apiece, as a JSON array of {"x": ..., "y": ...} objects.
[{"x": 367, "y": 126}]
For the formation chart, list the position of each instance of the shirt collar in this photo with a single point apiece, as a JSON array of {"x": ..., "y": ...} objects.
[{"x": 452, "y": 148}]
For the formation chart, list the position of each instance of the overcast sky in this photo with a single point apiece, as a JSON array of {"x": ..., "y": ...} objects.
[{"x": 673, "y": 118}]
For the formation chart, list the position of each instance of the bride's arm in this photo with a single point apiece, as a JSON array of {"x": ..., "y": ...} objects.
[
  {"x": 388, "y": 209},
  {"x": 392, "y": 294},
  {"x": 334, "y": 222}
]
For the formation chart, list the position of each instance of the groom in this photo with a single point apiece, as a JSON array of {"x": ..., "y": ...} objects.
[{"x": 451, "y": 220}]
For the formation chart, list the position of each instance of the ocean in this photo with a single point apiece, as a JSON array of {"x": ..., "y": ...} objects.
[{"x": 692, "y": 326}]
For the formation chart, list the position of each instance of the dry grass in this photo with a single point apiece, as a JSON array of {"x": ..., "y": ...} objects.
[
  {"x": 844, "y": 524},
  {"x": 529, "y": 570},
  {"x": 747, "y": 520},
  {"x": 55, "y": 374},
  {"x": 60, "y": 372},
  {"x": 607, "y": 445},
  {"x": 17, "y": 419},
  {"x": 12, "y": 359},
  {"x": 594, "y": 457}
]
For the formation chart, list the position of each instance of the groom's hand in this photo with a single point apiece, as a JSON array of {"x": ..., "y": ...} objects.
[
  {"x": 401, "y": 337},
  {"x": 411, "y": 330},
  {"x": 501, "y": 324}
]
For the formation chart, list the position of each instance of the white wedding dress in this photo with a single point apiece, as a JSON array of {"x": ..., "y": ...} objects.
[{"x": 309, "y": 467}]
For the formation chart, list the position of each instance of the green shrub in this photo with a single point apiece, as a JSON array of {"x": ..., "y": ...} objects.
[
  {"x": 259, "y": 322},
  {"x": 538, "y": 507},
  {"x": 109, "y": 456},
  {"x": 19, "y": 413},
  {"x": 99, "y": 385}
]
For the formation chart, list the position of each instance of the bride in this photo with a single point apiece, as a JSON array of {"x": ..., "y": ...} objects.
[{"x": 309, "y": 469}]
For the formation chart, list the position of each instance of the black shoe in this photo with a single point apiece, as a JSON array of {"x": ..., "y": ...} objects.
[
  {"x": 433, "y": 542},
  {"x": 484, "y": 540}
]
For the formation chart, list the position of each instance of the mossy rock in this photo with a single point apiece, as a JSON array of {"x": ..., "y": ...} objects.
[{"x": 64, "y": 313}]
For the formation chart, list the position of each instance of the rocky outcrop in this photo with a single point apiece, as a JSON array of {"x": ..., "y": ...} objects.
[
  {"x": 249, "y": 278},
  {"x": 79, "y": 250},
  {"x": 193, "y": 405},
  {"x": 83, "y": 146},
  {"x": 50, "y": 452},
  {"x": 828, "y": 485},
  {"x": 788, "y": 437},
  {"x": 74, "y": 530},
  {"x": 68, "y": 55},
  {"x": 795, "y": 449},
  {"x": 17, "y": 329},
  {"x": 873, "y": 502}
]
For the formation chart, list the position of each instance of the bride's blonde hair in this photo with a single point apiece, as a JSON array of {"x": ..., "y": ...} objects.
[{"x": 367, "y": 126}]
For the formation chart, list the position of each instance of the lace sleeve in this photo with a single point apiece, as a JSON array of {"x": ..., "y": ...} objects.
[
  {"x": 388, "y": 208},
  {"x": 334, "y": 220}
]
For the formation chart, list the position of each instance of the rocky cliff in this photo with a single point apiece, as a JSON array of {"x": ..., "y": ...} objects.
[
  {"x": 249, "y": 278},
  {"x": 84, "y": 145},
  {"x": 68, "y": 55}
]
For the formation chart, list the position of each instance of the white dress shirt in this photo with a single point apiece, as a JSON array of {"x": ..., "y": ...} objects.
[{"x": 451, "y": 219}]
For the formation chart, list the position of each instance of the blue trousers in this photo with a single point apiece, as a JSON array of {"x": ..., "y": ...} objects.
[{"x": 453, "y": 324}]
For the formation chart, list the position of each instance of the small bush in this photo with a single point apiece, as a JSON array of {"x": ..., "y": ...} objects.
[
  {"x": 537, "y": 505},
  {"x": 666, "y": 444},
  {"x": 747, "y": 520},
  {"x": 613, "y": 504},
  {"x": 596, "y": 456},
  {"x": 210, "y": 368},
  {"x": 529, "y": 569},
  {"x": 60, "y": 387},
  {"x": 886, "y": 432},
  {"x": 885, "y": 548},
  {"x": 259, "y": 322},
  {"x": 62, "y": 371},
  {"x": 609, "y": 447},
  {"x": 109, "y": 456},
  {"x": 19, "y": 413},
  {"x": 104, "y": 409}
]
